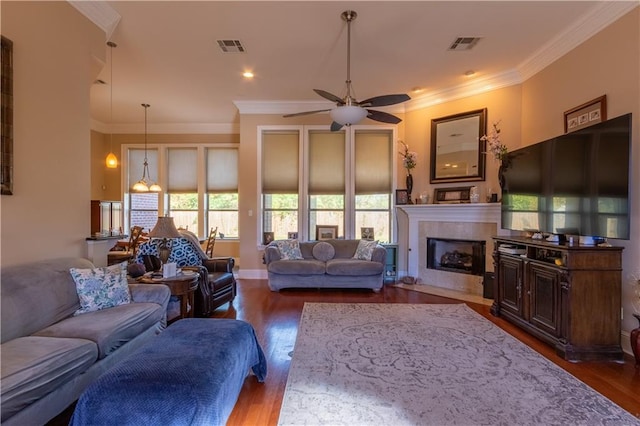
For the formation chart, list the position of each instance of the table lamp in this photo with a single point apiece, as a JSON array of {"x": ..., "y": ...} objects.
[{"x": 165, "y": 229}]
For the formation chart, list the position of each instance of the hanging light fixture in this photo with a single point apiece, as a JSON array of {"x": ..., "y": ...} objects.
[
  {"x": 143, "y": 184},
  {"x": 111, "y": 160}
]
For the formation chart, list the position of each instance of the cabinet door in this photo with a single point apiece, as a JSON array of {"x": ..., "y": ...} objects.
[
  {"x": 544, "y": 298},
  {"x": 116, "y": 217},
  {"x": 510, "y": 282}
]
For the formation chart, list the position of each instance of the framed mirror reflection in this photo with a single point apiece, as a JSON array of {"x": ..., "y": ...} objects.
[{"x": 457, "y": 152}]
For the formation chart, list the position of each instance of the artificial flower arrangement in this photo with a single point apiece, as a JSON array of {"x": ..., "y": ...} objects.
[
  {"x": 494, "y": 145},
  {"x": 409, "y": 158}
]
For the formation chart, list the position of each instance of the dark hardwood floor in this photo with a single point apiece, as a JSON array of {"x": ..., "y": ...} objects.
[{"x": 275, "y": 317}]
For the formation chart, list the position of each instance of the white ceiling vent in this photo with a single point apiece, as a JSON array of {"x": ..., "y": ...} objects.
[
  {"x": 231, "y": 46},
  {"x": 464, "y": 43}
]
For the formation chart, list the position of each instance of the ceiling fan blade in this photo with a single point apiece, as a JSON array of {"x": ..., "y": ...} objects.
[
  {"x": 382, "y": 117},
  {"x": 296, "y": 114},
  {"x": 329, "y": 96},
  {"x": 336, "y": 126},
  {"x": 384, "y": 100}
]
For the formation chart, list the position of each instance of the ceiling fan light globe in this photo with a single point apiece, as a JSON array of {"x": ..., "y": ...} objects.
[{"x": 348, "y": 115}]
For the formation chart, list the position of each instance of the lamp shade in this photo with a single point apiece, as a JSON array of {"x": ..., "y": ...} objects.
[
  {"x": 165, "y": 228},
  {"x": 112, "y": 161},
  {"x": 348, "y": 114}
]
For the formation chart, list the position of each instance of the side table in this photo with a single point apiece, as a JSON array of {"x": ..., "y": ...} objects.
[{"x": 183, "y": 286}]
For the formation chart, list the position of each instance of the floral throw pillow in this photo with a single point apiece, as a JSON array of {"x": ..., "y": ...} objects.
[
  {"x": 289, "y": 249},
  {"x": 365, "y": 249},
  {"x": 101, "y": 288}
]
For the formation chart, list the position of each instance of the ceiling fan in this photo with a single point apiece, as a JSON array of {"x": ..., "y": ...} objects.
[{"x": 348, "y": 110}]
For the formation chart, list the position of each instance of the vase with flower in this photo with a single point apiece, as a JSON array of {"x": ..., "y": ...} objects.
[
  {"x": 409, "y": 161},
  {"x": 499, "y": 151}
]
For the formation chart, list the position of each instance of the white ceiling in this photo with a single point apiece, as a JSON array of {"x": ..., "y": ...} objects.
[{"x": 168, "y": 56}]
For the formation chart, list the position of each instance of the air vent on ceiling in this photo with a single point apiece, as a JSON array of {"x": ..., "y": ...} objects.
[
  {"x": 231, "y": 46},
  {"x": 464, "y": 43}
]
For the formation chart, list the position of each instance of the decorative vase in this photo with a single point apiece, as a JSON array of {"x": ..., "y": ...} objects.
[
  {"x": 409, "y": 182},
  {"x": 501, "y": 170},
  {"x": 635, "y": 341}
]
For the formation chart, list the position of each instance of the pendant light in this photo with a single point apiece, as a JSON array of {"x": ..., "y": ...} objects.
[
  {"x": 111, "y": 160},
  {"x": 143, "y": 185}
]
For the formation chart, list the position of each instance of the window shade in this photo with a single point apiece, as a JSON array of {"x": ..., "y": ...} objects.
[
  {"x": 326, "y": 162},
  {"x": 222, "y": 170},
  {"x": 136, "y": 164},
  {"x": 280, "y": 162},
  {"x": 373, "y": 156},
  {"x": 183, "y": 170}
]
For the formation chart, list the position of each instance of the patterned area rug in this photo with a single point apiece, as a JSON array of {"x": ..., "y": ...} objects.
[{"x": 399, "y": 364}]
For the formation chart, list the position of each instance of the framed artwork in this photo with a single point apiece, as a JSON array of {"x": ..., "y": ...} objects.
[
  {"x": 457, "y": 148},
  {"x": 452, "y": 195},
  {"x": 6, "y": 143},
  {"x": 292, "y": 235},
  {"x": 592, "y": 112},
  {"x": 326, "y": 232},
  {"x": 267, "y": 237},
  {"x": 366, "y": 233},
  {"x": 402, "y": 196}
]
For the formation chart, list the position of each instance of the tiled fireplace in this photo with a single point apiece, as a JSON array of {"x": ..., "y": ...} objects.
[{"x": 464, "y": 222}]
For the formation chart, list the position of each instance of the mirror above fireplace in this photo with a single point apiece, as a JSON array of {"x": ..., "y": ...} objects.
[{"x": 457, "y": 152}]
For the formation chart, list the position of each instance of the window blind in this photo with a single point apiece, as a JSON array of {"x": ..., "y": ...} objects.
[
  {"x": 326, "y": 162},
  {"x": 222, "y": 170},
  {"x": 183, "y": 170},
  {"x": 373, "y": 156},
  {"x": 280, "y": 162}
]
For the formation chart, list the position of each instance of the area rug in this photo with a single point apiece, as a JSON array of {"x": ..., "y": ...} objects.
[{"x": 405, "y": 364}]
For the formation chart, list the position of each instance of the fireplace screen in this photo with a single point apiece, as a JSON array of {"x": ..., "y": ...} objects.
[{"x": 462, "y": 256}]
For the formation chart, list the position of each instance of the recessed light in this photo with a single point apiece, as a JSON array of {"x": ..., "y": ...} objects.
[
  {"x": 469, "y": 73},
  {"x": 417, "y": 90},
  {"x": 247, "y": 74}
]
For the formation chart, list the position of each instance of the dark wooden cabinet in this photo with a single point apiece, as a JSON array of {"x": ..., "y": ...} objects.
[
  {"x": 106, "y": 217},
  {"x": 566, "y": 295}
]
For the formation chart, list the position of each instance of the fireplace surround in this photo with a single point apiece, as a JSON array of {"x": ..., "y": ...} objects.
[{"x": 475, "y": 221}]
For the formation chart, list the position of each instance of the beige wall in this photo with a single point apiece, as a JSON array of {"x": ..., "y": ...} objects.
[
  {"x": 608, "y": 63},
  {"x": 48, "y": 215}
]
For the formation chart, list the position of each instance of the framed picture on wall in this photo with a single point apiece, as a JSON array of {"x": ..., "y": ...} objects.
[
  {"x": 585, "y": 115},
  {"x": 292, "y": 235}
]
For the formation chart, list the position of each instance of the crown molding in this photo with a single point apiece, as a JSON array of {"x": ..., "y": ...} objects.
[
  {"x": 100, "y": 13},
  {"x": 280, "y": 107},
  {"x": 471, "y": 88},
  {"x": 599, "y": 17},
  {"x": 169, "y": 128}
]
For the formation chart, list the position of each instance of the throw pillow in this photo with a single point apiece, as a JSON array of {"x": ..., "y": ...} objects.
[
  {"x": 101, "y": 288},
  {"x": 365, "y": 249},
  {"x": 323, "y": 251},
  {"x": 289, "y": 249}
]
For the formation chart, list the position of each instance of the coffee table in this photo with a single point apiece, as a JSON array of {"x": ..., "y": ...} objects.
[{"x": 183, "y": 286}]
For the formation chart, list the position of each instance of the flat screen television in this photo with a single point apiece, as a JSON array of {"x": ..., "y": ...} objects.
[{"x": 573, "y": 184}]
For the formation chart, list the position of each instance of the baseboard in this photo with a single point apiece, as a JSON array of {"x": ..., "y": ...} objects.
[{"x": 252, "y": 274}]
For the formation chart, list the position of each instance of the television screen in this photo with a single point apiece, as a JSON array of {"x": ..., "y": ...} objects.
[{"x": 576, "y": 183}]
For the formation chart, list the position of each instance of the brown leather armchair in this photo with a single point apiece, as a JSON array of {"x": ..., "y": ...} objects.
[{"x": 220, "y": 286}]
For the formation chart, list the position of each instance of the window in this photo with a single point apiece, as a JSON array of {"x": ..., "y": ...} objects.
[
  {"x": 182, "y": 187},
  {"x": 326, "y": 180},
  {"x": 280, "y": 164},
  {"x": 342, "y": 179},
  {"x": 222, "y": 191},
  {"x": 143, "y": 207},
  {"x": 373, "y": 166},
  {"x": 200, "y": 184}
]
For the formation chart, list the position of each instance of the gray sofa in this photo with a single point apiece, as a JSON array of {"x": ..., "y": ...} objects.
[
  {"x": 49, "y": 356},
  {"x": 320, "y": 268}
]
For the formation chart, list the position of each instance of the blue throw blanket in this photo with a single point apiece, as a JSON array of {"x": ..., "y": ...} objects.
[{"x": 191, "y": 374}]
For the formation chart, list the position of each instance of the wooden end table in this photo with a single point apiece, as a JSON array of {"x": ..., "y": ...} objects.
[{"x": 183, "y": 286}]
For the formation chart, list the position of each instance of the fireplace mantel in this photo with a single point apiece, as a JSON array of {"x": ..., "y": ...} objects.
[{"x": 410, "y": 216}]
